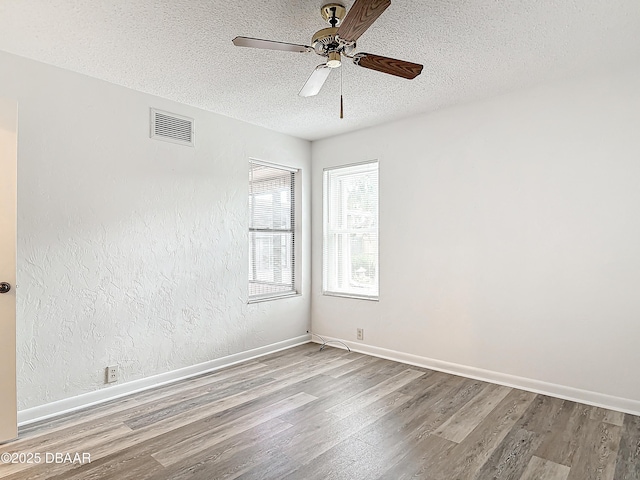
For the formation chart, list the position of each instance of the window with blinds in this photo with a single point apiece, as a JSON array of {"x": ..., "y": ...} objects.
[
  {"x": 271, "y": 231},
  {"x": 350, "y": 231}
]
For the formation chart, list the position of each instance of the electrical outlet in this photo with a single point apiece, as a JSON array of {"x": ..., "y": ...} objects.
[
  {"x": 360, "y": 334},
  {"x": 112, "y": 374}
]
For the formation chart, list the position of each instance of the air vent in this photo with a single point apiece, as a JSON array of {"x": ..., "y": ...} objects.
[{"x": 171, "y": 127}]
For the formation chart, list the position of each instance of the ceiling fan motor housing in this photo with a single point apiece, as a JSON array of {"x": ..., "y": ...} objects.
[{"x": 325, "y": 41}]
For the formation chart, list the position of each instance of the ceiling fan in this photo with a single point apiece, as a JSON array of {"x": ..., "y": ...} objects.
[{"x": 340, "y": 40}]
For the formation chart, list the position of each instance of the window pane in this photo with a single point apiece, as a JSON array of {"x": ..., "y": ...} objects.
[
  {"x": 364, "y": 260},
  {"x": 270, "y": 198},
  {"x": 271, "y": 210},
  {"x": 270, "y": 263}
]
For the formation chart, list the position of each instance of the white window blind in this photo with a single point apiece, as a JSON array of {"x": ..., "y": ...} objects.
[
  {"x": 271, "y": 231},
  {"x": 350, "y": 246}
]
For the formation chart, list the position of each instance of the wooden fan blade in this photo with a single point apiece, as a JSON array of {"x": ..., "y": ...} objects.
[
  {"x": 399, "y": 68},
  {"x": 316, "y": 81},
  {"x": 270, "y": 45},
  {"x": 360, "y": 17}
]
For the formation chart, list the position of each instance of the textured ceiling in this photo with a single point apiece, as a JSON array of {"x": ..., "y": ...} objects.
[{"x": 182, "y": 50}]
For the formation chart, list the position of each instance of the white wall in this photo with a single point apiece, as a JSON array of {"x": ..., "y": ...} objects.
[
  {"x": 509, "y": 236},
  {"x": 133, "y": 251}
]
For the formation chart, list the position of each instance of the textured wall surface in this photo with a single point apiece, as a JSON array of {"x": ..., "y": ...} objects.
[
  {"x": 133, "y": 251},
  {"x": 182, "y": 50},
  {"x": 509, "y": 235}
]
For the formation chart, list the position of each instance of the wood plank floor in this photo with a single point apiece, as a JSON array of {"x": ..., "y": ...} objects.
[{"x": 309, "y": 414}]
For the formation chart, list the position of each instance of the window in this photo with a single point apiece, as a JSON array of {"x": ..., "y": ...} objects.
[
  {"x": 271, "y": 231},
  {"x": 350, "y": 248}
]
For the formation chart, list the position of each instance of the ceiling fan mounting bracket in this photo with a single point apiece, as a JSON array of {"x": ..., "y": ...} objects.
[{"x": 333, "y": 13}]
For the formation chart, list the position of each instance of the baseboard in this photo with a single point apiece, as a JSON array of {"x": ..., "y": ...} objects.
[
  {"x": 620, "y": 404},
  {"x": 68, "y": 405}
]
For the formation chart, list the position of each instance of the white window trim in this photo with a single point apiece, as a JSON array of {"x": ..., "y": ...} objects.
[
  {"x": 275, "y": 296},
  {"x": 325, "y": 212},
  {"x": 297, "y": 233}
]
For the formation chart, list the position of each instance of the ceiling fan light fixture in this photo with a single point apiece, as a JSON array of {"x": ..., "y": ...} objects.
[{"x": 334, "y": 60}]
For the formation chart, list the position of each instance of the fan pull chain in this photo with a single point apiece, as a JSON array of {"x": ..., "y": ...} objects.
[{"x": 341, "y": 106}]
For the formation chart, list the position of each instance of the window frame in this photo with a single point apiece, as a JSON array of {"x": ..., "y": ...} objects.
[
  {"x": 327, "y": 231},
  {"x": 295, "y": 231}
]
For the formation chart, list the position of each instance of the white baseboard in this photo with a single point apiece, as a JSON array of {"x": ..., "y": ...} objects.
[
  {"x": 620, "y": 404},
  {"x": 68, "y": 405}
]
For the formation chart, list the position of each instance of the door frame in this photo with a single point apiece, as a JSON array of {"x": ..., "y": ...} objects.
[{"x": 8, "y": 248}]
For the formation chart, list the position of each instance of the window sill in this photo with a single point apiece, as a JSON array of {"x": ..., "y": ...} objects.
[
  {"x": 273, "y": 297},
  {"x": 352, "y": 295}
]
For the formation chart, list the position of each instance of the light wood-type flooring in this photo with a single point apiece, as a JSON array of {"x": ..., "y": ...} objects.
[{"x": 309, "y": 414}]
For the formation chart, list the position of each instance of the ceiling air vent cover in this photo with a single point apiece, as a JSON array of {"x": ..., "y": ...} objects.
[{"x": 171, "y": 127}]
